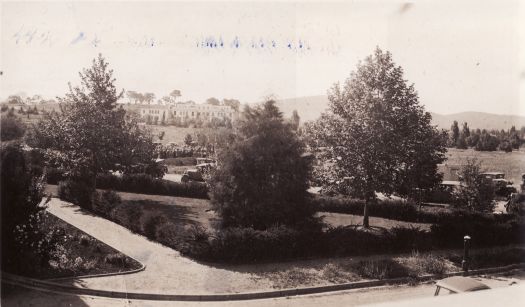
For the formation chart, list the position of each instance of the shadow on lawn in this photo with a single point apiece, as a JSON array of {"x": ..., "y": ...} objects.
[{"x": 150, "y": 208}]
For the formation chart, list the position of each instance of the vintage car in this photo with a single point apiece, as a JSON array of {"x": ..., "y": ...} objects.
[
  {"x": 192, "y": 175},
  {"x": 503, "y": 187},
  {"x": 459, "y": 284},
  {"x": 203, "y": 166}
]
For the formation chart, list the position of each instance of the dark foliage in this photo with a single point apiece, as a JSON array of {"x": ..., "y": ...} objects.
[
  {"x": 146, "y": 184},
  {"x": 11, "y": 128},
  {"x": 485, "y": 230},
  {"x": 77, "y": 192},
  {"x": 105, "y": 202},
  {"x": 23, "y": 244},
  {"x": 262, "y": 177}
]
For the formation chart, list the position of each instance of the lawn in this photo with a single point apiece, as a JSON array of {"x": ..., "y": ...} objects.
[
  {"x": 181, "y": 210},
  {"x": 512, "y": 163},
  {"x": 80, "y": 254},
  {"x": 341, "y": 219}
]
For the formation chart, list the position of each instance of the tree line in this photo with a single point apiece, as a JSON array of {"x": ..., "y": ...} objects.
[{"x": 485, "y": 140}]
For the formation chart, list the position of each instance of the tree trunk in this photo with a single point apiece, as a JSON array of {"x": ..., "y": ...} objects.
[{"x": 366, "y": 224}]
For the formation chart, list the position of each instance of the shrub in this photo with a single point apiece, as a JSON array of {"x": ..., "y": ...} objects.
[
  {"x": 408, "y": 238},
  {"x": 77, "y": 192},
  {"x": 170, "y": 235},
  {"x": 84, "y": 240},
  {"x": 11, "y": 128},
  {"x": 54, "y": 176},
  {"x": 476, "y": 192},
  {"x": 380, "y": 269},
  {"x": 484, "y": 229},
  {"x": 128, "y": 216},
  {"x": 116, "y": 259},
  {"x": 150, "y": 227},
  {"x": 425, "y": 264},
  {"x": 105, "y": 202},
  {"x": 343, "y": 241},
  {"x": 242, "y": 245}
]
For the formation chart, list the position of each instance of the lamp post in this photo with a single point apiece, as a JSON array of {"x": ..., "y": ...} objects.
[{"x": 466, "y": 247}]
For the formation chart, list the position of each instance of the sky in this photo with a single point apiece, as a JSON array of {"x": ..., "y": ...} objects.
[{"x": 461, "y": 55}]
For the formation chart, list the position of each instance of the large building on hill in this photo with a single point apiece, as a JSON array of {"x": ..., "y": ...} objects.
[{"x": 182, "y": 112}]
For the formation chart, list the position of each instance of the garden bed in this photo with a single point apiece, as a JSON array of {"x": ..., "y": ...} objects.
[{"x": 79, "y": 254}]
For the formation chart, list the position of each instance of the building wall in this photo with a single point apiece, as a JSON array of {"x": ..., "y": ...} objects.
[{"x": 203, "y": 112}]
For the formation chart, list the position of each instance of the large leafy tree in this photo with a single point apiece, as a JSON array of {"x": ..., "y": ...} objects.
[
  {"x": 376, "y": 137},
  {"x": 262, "y": 176},
  {"x": 91, "y": 134}
]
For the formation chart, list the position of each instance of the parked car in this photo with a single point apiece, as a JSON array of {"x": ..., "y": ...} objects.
[
  {"x": 203, "y": 166},
  {"x": 192, "y": 175},
  {"x": 503, "y": 187},
  {"x": 459, "y": 284}
]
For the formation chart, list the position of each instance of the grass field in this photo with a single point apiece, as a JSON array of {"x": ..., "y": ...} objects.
[{"x": 512, "y": 163}]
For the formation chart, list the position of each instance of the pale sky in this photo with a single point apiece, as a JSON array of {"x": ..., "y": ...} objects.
[{"x": 461, "y": 55}]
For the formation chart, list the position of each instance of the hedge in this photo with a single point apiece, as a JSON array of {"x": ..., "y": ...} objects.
[
  {"x": 140, "y": 183},
  {"x": 146, "y": 184},
  {"x": 246, "y": 245},
  {"x": 391, "y": 209}
]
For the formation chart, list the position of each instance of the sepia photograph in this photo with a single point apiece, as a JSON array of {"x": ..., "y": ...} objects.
[{"x": 262, "y": 153}]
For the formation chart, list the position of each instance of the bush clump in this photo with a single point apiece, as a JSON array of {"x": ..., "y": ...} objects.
[
  {"x": 77, "y": 192},
  {"x": 485, "y": 230},
  {"x": 105, "y": 202},
  {"x": 116, "y": 259},
  {"x": 380, "y": 269}
]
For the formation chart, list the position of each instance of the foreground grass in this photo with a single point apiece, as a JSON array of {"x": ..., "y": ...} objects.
[
  {"x": 343, "y": 270},
  {"x": 77, "y": 254}
]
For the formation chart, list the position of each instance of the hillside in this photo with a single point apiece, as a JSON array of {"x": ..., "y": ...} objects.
[{"x": 309, "y": 108}]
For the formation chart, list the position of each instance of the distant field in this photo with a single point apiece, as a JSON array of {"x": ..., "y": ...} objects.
[{"x": 512, "y": 163}]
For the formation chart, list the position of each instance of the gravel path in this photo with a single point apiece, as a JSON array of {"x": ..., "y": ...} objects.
[{"x": 166, "y": 270}]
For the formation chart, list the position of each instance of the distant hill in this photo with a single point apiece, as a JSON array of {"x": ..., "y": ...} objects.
[{"x": 309, "y": 108}]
